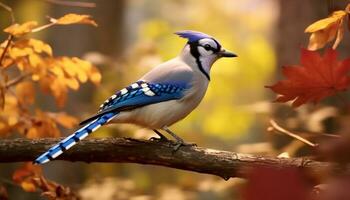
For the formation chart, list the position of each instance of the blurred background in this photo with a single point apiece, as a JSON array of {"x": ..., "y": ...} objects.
[{"x": 135, "y": 35}]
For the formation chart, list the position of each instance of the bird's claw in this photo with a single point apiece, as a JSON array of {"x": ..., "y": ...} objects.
[{"x": 182, "y": 143}]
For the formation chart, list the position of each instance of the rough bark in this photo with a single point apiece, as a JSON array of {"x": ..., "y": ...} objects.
[{"x": 125, "y": 150}]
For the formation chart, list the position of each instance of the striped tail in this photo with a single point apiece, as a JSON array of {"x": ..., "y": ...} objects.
[{"x": 71, "y": 140}]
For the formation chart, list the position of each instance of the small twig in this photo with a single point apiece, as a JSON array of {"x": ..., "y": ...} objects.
[
  {"x": 42, "y": 27},
  {"x": 73, "y": 3},
  {"x": 9, "y": 9},
  {"x": 9, "y": 40},
  {"x": 313, "y": 134},
  {"x": 295, "y": 136},
  {"x": 16, "y": 80},
  {"x": 330, "y": 135},
  {"x": 10, "y": 37}
]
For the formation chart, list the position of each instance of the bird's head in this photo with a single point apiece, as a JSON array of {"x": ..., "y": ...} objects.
[{"x": 204, "y": 48}]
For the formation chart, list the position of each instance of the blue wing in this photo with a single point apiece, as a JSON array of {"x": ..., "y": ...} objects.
[{"x": 139, "y": 94}]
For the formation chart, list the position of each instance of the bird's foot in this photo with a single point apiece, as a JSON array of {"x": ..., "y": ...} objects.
[
  {"x": 181, "y": 143},
  {"x": 161, "y": 137}
]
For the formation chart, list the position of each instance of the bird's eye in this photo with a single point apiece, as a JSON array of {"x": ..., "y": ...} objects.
[{"x": 207, "y": 47}]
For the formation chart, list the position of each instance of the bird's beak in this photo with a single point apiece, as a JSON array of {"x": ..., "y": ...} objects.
[{"x": 224, "y": 53}]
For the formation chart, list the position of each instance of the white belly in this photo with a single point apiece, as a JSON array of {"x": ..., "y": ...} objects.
[{"x": 158, "y": 115}]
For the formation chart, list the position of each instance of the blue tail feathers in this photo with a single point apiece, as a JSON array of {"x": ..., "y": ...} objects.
[{"x": 71, "y": 140}]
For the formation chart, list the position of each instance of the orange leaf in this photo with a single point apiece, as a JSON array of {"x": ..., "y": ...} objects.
[
  {"x": 72, "y": 83},
  {"x": 21, "y": 29},
  {"x": 28, "y": 186},
  {"x": 43, "y": 126},
  {"x": 95, "y": 75},
  {"x": 34, "y": 60},
  {"x": 65, "y": 120},
  {"x": 32, "y": 133},
  {"x": 25, "y": 92},
  {"x": 12, "y": 120},
  {"x": 28, "y": 169},
  {"x": 37, "y": 46},
  {"x": 40, "y": 46},
  {"x": 59, "y": 90},
  {"x": 15, "y": 52},
  {"x": 315, "y": 79},
  {"x": 325, "y": 30},
  {"x": 24, "y": 176},
  {"x": 75, "y": 19}
]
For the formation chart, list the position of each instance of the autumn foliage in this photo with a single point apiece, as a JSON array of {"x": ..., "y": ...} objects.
[
  {"x": 28, "y": 66},
  {"x": 328, "y": 29},
  {"x": 317, "y": 77},
  {"x": 320, "y": 74},
  {"x": 35, "y": 66}
]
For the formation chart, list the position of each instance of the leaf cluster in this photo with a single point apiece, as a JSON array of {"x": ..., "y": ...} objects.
[{"x": 28, "y": 67}]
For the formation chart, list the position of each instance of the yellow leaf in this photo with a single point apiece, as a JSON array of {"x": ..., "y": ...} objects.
[
  {"x": 37, "y": 46},
  {"x": 21, "y": 29},
  {"x": 65, "y": 120},
  {"x": 34, "y": 60},
  {"x": 57, "y": 71},
  {"x": 72, "y": 83},
  {"x": 22, "y": 64},
  {"x": 86, "y": 70},
  {"x": 75, "y": 19},
  {"x": 40, "y": 46},
  {"x": 20, "y": 52},
  {"x": 12, "y": 120},
  {"x": 95, "y": 75},
  {"x": 28, "y": 186},
  {"x": 59, "y": 90},
  {"x": 35, "y": 77},
  {"x": 32, "y": 133},
  {"x": 25, "y": 92},
  {"x": 44, "y": 126},
  {"x": 326, "y": 30},
  {"x": 322, "y": 24}
]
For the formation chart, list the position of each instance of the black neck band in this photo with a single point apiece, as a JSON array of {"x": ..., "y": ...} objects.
[{"x": 196, "y": 55}]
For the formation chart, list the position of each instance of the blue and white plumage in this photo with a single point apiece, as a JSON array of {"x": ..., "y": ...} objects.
[{"x": 162, "y": 97}]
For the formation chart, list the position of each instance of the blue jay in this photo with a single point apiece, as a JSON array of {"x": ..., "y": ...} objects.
[{"x": 162, "y": 97}]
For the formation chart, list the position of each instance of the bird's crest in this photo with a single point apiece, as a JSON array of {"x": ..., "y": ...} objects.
[{"x": 192, "y": 36}]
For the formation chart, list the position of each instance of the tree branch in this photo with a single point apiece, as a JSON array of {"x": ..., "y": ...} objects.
[{"x": 125, "y": 150}]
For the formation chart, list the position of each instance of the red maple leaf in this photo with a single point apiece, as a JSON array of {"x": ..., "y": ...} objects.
[
  {"x": 276, "y": 184},
  {"x": 314, "y": 79}
]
